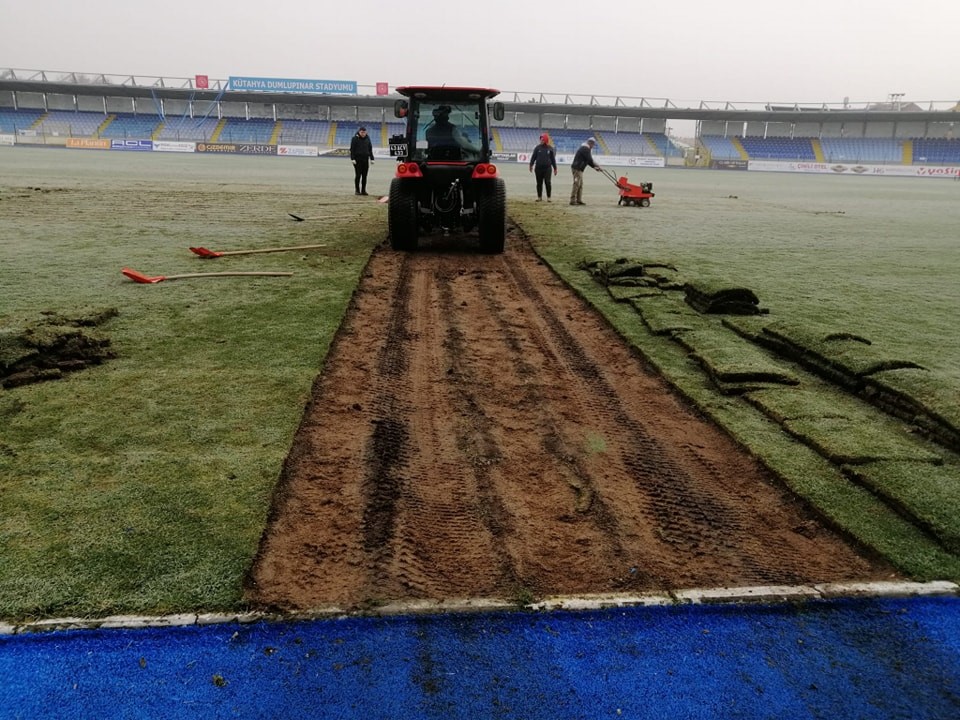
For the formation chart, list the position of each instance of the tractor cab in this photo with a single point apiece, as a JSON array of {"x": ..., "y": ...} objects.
[{"x": 444, "y": 178}]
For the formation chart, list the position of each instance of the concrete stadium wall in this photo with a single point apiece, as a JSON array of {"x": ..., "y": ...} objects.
[
  {"x": 124, "y": 105},
  {"x": 713, "y": 127},
  {"x": 778, "y": 129},
  {"x": 179, "y": 108},
  {"x": 911, "y": 130},
  {"x": 832, "y": 130},
  {"x": 233, "y": 109},
  {"x": 261, "y": 110},
  {"x": 648, "y": 125},
  {"x": 604, "y": 122},
  {"x": 943, "y": 130},
  {"x": 878, "y": 130},
  {"x": 29, "y": 100}
]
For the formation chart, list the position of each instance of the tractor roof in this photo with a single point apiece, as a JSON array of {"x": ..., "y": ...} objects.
[{"x": 444, "y": 92}]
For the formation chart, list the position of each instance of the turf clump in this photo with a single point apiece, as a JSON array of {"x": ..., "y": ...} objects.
[
  {"x": 56, "y": 343},
  {"x": 631, "y": 272},
  {"x": 706, "y": 296}
]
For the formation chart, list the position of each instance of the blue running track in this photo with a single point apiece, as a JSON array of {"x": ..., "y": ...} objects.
[{"x": 846, "y": 659}]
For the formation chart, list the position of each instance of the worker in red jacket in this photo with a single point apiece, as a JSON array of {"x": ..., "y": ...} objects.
[{"x": 542, "y": 160}]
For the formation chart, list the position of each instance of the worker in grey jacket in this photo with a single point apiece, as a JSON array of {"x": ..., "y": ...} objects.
[{"x": 581, "y": 160}]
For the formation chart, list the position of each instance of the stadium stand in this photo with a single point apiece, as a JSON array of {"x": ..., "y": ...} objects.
[
  {"x": 187, "y": 128},
  {"x": 567, "y": 141},
  {"x": 71, "y": 123},
  {"x": 721, "y": 148},
  {"x": 627, "y": 143},
  {"x": 346, "y": 129},
  {"x": 389, "y": 129},
  {"x": 664, "y": 146},
  {"x": 254, "y": 130},
  {"x": 862, "y": 150},
  {"x": 515, "y": 139},
  {"x": 778, "y": 148},
  {"x": 12, "y": 121},
  {"x": 134, "y": 127},
  {"x": 937, "y": 150},
  {"x": 305, "y": 132}
]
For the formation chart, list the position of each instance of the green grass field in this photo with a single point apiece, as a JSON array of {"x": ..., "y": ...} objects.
[{"x": 142, "y": 485}]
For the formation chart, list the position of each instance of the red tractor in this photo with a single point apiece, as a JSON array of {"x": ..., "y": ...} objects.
[{"x": 444, "y": 178}]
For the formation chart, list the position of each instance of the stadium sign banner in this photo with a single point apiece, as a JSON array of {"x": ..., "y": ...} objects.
[
  {"x": 256, "y": 149},
  {"x": 174, "y": 146},
  {"x": 642, "y": 161},
  {"x": 728, "y": 164},
  {"x": 945, "y": 171},
  {"x": 507, "y": 157},
  {"x": 230, "y": 148},
  {"x": 950, "y": 171},
  {"x": 88, "y": 143},
  {"x": 297, "y": 150},
  {"x": 292, "y": 85},
  {"x": 134, "y": 145},
  {"x": 8, "y": 139}
]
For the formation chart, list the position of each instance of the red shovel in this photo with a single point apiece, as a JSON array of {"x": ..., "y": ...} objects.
[
  {"x": 204, "y": 253},
  {"x": 139, "y": 277}
]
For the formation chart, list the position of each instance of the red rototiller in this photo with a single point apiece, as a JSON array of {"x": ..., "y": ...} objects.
[{"x": 631, "y": 194}]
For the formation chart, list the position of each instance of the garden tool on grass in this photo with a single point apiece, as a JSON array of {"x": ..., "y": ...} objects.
[
  {"x": 139, "y": 277},
  {"x": 300, "y": 218},
  {"x": 205, "y": 253}
]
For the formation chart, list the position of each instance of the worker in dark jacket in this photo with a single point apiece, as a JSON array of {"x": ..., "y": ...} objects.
[
  {"x": 542, "y": 160},
  {"x": 583, "y": 158},
  {"x": 361, "y": 155}
]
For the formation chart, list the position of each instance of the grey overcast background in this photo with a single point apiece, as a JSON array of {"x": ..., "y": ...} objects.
[{"x": 686, "y": 51}]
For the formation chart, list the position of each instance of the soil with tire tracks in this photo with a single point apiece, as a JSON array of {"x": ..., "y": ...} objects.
[{"x": 479, "y": 431}]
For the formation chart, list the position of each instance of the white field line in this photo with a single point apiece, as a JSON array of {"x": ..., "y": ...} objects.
[{"x": 770, "y": 594}]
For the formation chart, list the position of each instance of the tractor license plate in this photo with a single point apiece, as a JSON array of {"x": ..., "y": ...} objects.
[{"x": 398, "y": 149}]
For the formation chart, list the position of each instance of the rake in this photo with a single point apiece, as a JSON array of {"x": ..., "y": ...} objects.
[
  {"x": 300, "y": 218},
  {"x": 139, "y": 277},
  {"x": 204, "y": 253}
]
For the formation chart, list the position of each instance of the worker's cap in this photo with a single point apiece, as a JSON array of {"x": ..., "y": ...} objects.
[
  {"x": 544, "y": 137},
  {"x": 441, "y": 110},
  {"x": 592, "y": 140}
]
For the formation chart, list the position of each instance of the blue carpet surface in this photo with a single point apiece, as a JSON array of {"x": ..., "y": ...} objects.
[{"x": 846, "y": 659}]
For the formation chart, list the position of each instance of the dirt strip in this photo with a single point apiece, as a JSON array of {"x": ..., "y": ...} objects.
[{"x": 479, "y": 431}]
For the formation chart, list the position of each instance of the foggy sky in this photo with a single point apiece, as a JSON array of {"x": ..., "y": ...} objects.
[{"x": 750, "y": 51}]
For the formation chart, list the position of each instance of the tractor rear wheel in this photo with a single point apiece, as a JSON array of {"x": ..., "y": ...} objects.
[
  {"x": 402, "y": 215},
  {"x": 492, "y": 211}
]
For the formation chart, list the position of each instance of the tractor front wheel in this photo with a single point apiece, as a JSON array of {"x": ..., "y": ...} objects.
[
  {"x": 402, "y": 219},
  {"x": 644, "y": 202},
  {"x": 492, "y": 212}
]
